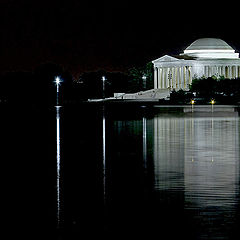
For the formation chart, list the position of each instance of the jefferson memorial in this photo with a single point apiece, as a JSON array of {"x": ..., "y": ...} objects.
[{"x": 205, "y": 57}]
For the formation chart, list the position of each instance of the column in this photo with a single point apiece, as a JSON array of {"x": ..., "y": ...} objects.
[
  {"x": 206, "y": 71},
  {"x": 206, "y": 68},
  {"x": 186, "y": 77},
  {"x": 162, "y": 77},
  {"x": 190, "y": 75},
  {"x": 159, "y": 77},
  {"x": 178, "y": 78},
  {"x": 236, "y": 71},
  {"x": 174, "y": 78},
  {"x": 209, "y": 71},
  {"x": 171, "y": 79},
  {"x": 224, "y": 71},
  {"x": 230, "y": 72},
  {"x": 214, "y": 70},
  {"x": 227, "y": 72},
  {"x": 233, "y": 71},
  {"x": 168, "y": 77},
  {"x": 219, "y": 71},
  {"x": 165, "y": 78},
  {"x": 182, "y": 78},
  {"x": 155, "y": 77}
]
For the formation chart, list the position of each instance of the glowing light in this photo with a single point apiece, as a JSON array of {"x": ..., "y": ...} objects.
[
  {"x": 104, "y": 78},
  {"x": 58, "y": 80},
  {"x": 192, "y": 102},
  {"x": 212, "y": 101}
]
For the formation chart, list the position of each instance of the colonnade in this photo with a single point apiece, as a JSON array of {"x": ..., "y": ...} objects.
[
  {"x": 173, "y": 77},
  {"x": 180, "y": 77},
  {"x": 230, "y": 71}
]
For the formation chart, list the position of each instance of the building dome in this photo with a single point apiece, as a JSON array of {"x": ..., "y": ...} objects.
[
  {"x": 209, "y": 43},
  {"x": 210, "y": 48}
]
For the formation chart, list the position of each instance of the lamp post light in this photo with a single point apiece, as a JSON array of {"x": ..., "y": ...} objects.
[
  {"x": 212, "y": 102},
  {"x": 58, "y": 83},
  {"x": 103, "y": 81},
  {"x": 192, "y": 102},
  {"x": 144, "y": 78}
]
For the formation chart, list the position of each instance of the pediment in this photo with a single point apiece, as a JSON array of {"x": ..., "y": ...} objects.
[{"x": 166, "y": 58}]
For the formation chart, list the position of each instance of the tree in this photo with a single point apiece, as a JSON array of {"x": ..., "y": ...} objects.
[
  {"x": 180, "y": 97},
  {"x": 136, "y": 74},
  {"x": 204, "y": 87},
  {"x": 223, "y": 90}
]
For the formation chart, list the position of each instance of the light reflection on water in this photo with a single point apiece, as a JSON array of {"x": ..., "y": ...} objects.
[
  {"x": 195, "y": 168},
  {"x": 144, "y": 173},
  {"x": 198, "y": 158},
  {"x": 104, "y": 153},
  {"x": 58, "y": 167}
]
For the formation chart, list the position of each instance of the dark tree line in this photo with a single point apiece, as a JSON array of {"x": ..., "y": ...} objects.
[
  {"x": 38, "y": 88},
  {"x": 222, "y": 90}
]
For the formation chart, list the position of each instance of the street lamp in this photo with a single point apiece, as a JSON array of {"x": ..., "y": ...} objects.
[
  {"x": 212, "y": 102},
  {"x": 144, "y": 77},
  {"x": 192, "y": 102},
  {"x": 103, "y": 81},
  {"x": 57, "y": 83}
]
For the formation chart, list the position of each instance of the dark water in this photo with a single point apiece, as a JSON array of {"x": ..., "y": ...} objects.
[{"x": 124, "y": 172}]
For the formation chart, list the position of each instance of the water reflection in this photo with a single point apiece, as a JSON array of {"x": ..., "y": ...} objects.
[
  {"x": 162, "y": 170},
  {"x": 144, "y": 142},
  {"x": 196, "y": 159},
  {"x": 104, "y": 153},
  {"x": 58, "y": 157}
]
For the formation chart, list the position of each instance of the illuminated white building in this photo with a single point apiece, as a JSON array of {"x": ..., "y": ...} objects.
[{"x": 205, "y": 57}]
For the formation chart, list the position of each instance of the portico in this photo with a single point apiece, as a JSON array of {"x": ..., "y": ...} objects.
[{"x": 172, "y": 74}]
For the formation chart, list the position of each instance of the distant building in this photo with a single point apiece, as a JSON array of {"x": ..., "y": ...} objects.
[{"x": 205, "y": 57}]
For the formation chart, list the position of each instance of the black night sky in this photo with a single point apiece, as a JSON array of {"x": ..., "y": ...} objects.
[{"x": 114, "y": 36}]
